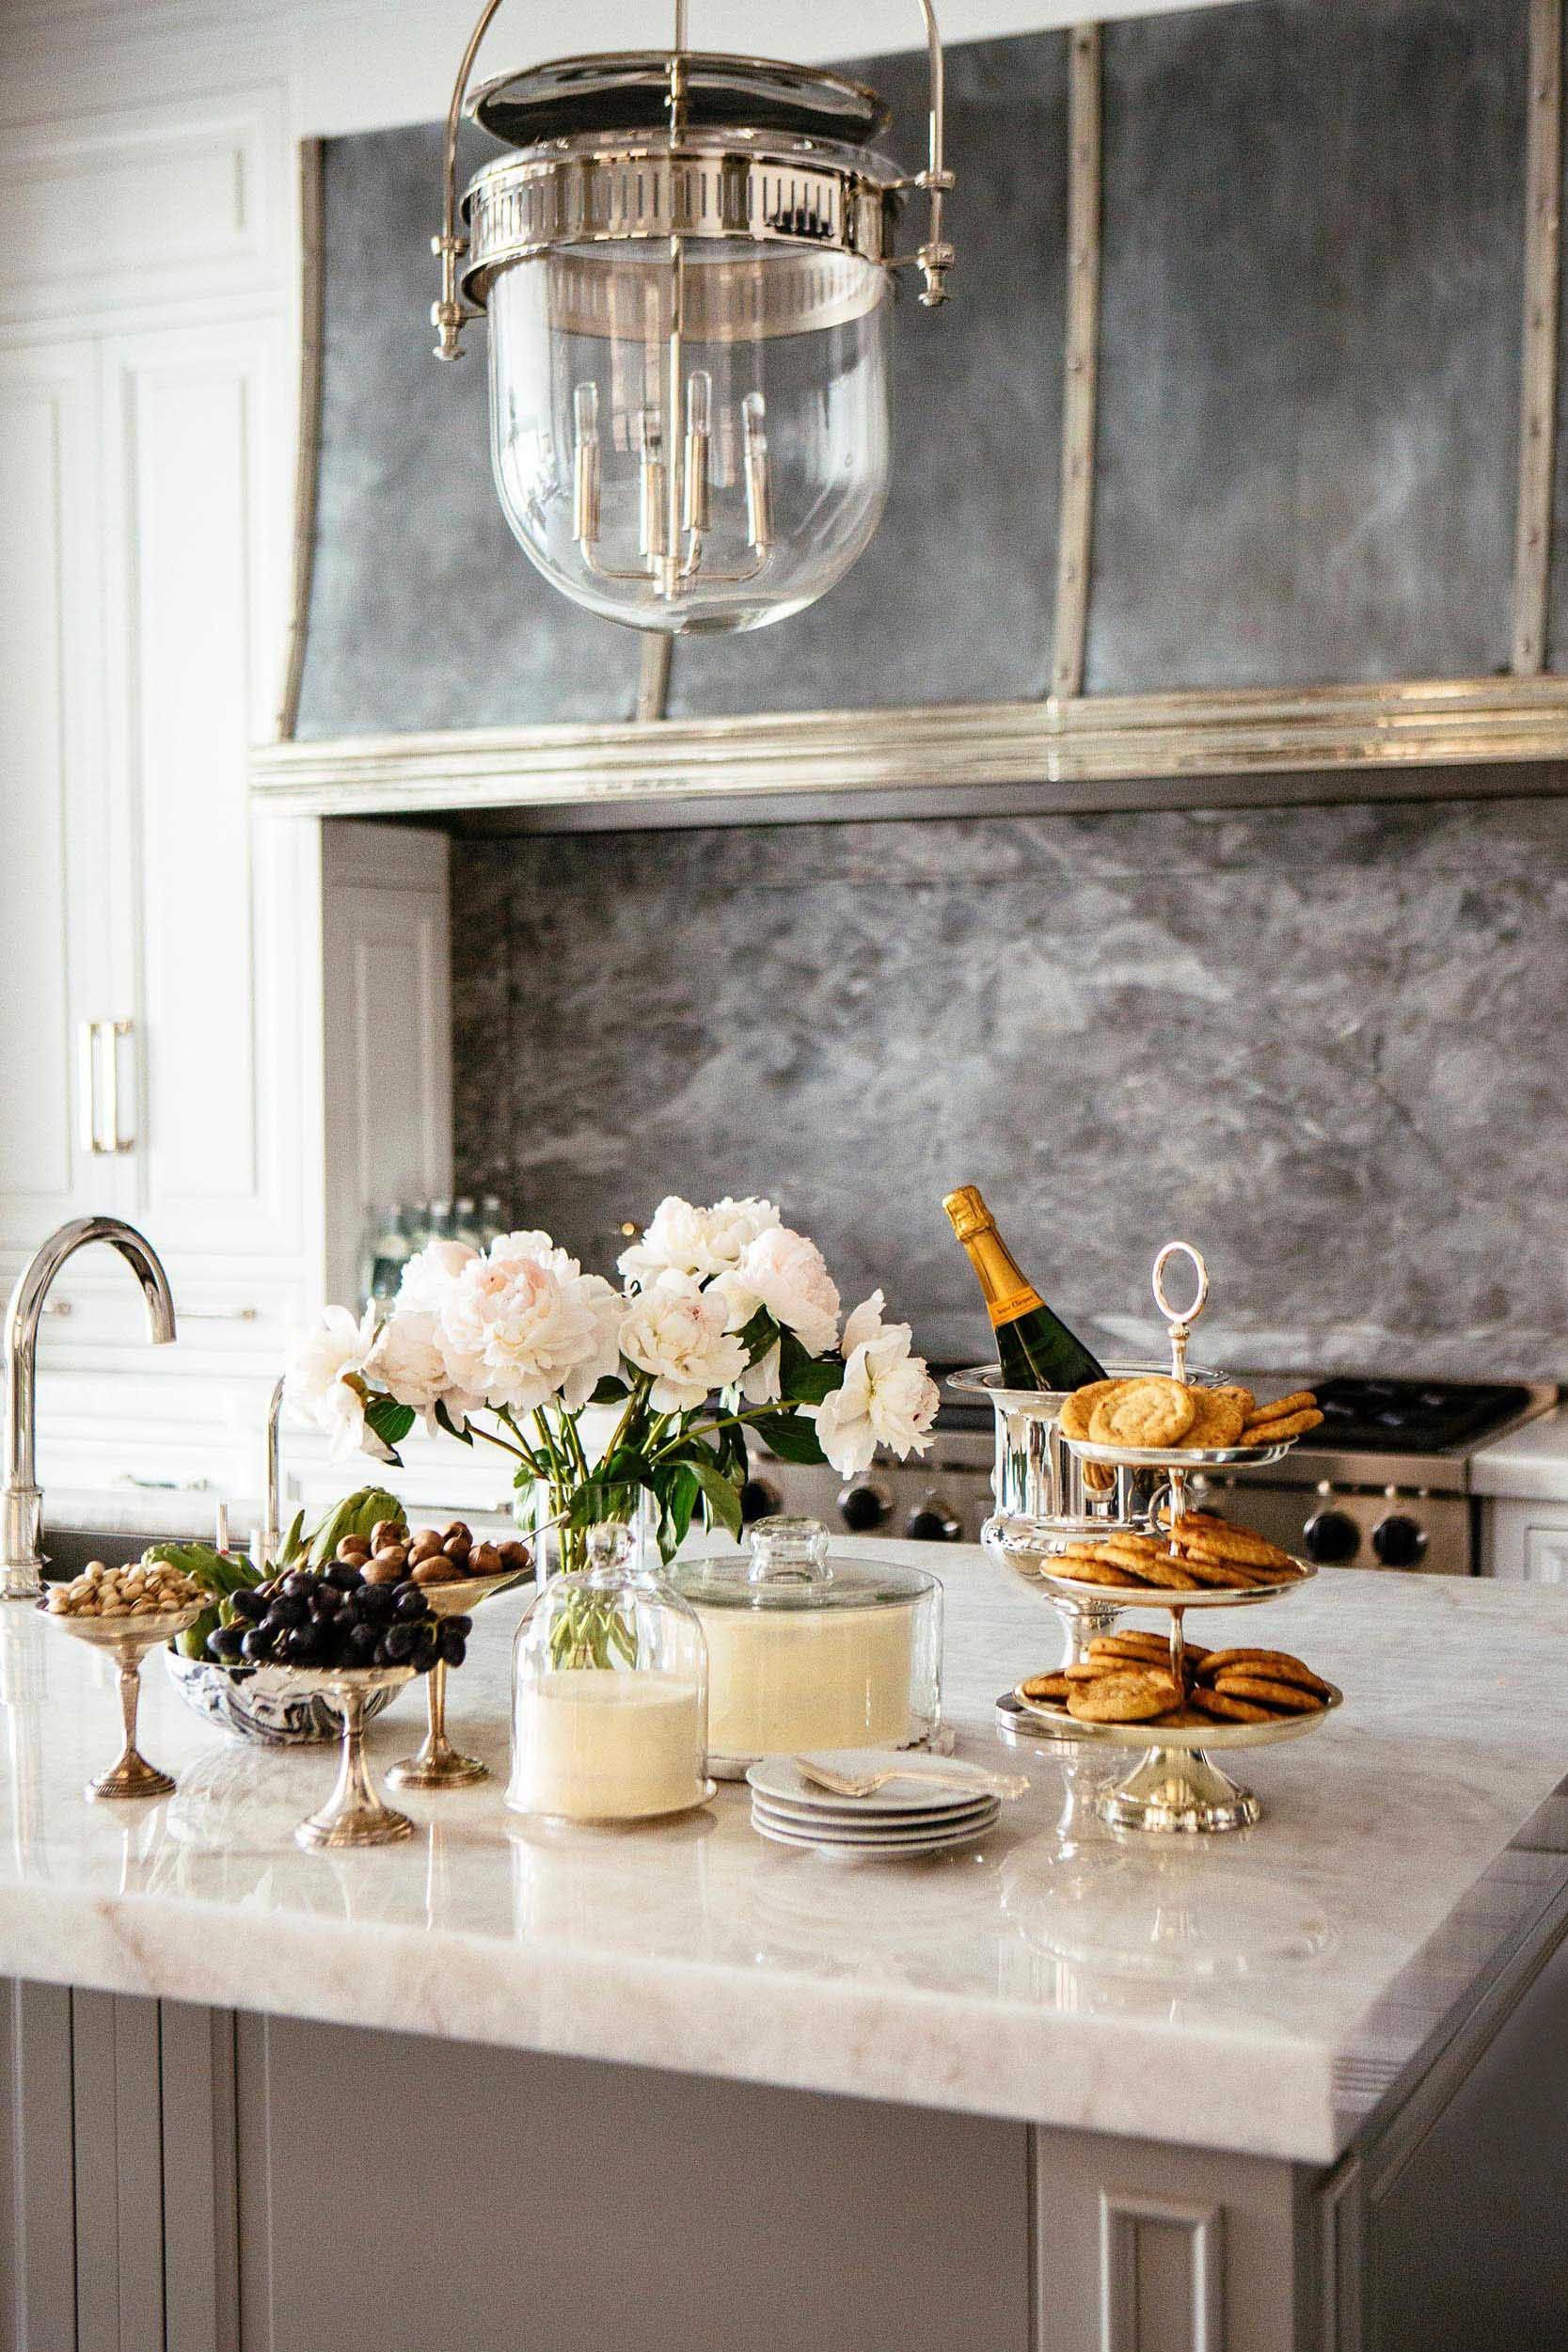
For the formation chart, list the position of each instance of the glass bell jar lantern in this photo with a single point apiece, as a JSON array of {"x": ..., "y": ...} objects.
[
  {"x": 609, "y": 1693},
  {"x": 687, "y": 260}
]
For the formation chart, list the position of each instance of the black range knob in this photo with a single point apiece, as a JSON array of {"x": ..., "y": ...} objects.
[
  {"x": 863, "y": 1506},
  {"x": 933, "y": 1523},
  {"x": 759, "y": 1500},
  {"x": 1331, "y": 1538},
  {"x": 1399, "y": 1541}
]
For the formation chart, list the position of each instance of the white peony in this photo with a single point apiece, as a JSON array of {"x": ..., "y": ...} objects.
[
  {"x": 408, "y": 1362},
  {"x": 681, "y": 1239},
  {"x": 430, "y": 1273},
  {"x": 761, "y": 1382},
  {"x": 517, "y": 1331},
  {"x": 786, "y": 1273},
  {"x": 325, "y": 1377},
  {"x": 675, "y": 1329},
  {"x": 887, "y": 1397}
]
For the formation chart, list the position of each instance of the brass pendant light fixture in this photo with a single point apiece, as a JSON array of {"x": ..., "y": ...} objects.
[{"x": 686, "y": 263}]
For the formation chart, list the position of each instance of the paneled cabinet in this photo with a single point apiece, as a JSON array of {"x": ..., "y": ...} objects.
[{"x": 161, "y": 1036}]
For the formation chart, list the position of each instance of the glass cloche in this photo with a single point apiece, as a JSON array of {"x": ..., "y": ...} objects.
[
  {"x": 808, "y": 1650},
  {"x": 609, "y": 1693},
  {"x": 686, "y": 259}
]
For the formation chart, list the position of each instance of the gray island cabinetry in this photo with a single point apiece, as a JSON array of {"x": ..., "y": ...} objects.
[{"x": 500, "y": 2086}]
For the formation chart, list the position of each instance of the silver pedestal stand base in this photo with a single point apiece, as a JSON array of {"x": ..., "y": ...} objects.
[{"x": 1182, "y": 1791}]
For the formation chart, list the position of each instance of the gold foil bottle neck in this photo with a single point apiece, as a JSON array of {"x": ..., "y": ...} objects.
[{"x": 968, "y": 1212}]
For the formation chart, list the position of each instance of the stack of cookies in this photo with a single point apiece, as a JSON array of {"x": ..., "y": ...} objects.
[
  {"x": 1128, "y": 1678},
  {"x": 1201, "y": 1552},
  {"x": 1153, "y": 1414}
]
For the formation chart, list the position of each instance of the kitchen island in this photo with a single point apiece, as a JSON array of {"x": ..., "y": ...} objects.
[{"x": 503, "y": 2085}]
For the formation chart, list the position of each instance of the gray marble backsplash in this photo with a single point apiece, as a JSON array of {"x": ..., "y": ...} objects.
[{"x": 1325, "y": 1044}]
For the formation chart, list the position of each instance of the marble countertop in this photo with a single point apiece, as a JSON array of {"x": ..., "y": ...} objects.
[
  {"x": 1530, "y": 1465},
  {"x": 1257, "y": 1992}
]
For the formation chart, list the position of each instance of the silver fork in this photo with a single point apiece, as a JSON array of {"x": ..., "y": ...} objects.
[{"x": 866, "y": 1784}]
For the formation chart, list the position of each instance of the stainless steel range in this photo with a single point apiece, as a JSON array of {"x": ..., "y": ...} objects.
[{"x": 1384, "y": 1483}]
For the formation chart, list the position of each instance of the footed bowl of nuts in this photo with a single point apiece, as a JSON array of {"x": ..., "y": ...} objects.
[{"x": 372, "y": 1586}]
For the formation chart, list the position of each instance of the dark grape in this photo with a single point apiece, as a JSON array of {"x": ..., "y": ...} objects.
[
  {"x": 462, "y": 1626},
  {"x": 449, "y": 1644},
  {"x": 225, "y": 1643},
  {"x": 257, "y": 1644},
  {"x": 362, "y": 1644},
  {"x": 286, "y": 1610},
  {"x": 344, "y": 1574},
  {"x": 399, "y": 1642},
  {"x": 302, "y": 1646},
  {"x": 374, "y": 1603},
  {"x": 299, "y": 1584},
  {"x": 248, "y": 1604},
  {"x": 409, "y": 1604},
  {"x": 327, "y": 1601}
]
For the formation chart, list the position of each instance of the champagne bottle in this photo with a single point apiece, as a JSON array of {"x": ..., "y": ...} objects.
[{"x": 1034, "y": 1346}]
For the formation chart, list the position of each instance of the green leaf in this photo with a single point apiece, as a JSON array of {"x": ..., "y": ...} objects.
[
  {"x": 217, "y": 1572},
  {"x": 722, "y": 1496},
  {"x": 611, "y": 1391},
  {"x": 458, "y": 1429},
  {"x": 806, "y": 1379},
  {"x": 390, "y": 1422},
  {"x": 792, "y": 1437},
  {"x": 292, "y": 1543},
  {"x": 758, "y": 1336},
  {"x": 677, "y": 1490},
  {"x": 730, "y": 1446}
]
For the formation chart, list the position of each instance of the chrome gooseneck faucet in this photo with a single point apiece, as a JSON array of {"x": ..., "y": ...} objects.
[{"x": 20, "y": 1502}]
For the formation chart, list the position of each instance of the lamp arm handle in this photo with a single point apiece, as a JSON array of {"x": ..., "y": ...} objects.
[{"x": 448, "y": 315}]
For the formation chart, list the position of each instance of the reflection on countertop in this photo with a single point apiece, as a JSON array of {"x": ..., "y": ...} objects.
[{"x": 1256, "y": 1992}]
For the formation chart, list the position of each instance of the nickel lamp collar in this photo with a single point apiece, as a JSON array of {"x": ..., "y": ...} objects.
[{"x": 754, "y": 149}]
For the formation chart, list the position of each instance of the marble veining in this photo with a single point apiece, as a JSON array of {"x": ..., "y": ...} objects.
[
  {"x": 1385, "y": 1846},
  {"x": 1320, "y": 1042}
]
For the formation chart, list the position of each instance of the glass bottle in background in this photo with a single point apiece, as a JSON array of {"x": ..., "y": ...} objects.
[
  {"x": 493, "y": 1220},
  {"x": 466, "y": 1224},
  {"x": 388, "y": 1250},
  {"x": 442, "y": 1223},
  {"x": 1034, "y": 1346}
]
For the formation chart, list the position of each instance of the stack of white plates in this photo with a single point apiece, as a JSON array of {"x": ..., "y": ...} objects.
[{"x": 898, "y": 1823}]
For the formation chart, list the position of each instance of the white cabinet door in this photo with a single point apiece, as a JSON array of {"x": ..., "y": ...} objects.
[
  {"x": 387, "y": 1027},
  {"x": 195, "y": 601},
  {"x": 59, "y": 891}
]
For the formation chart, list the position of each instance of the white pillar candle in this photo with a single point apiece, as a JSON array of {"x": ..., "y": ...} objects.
[
  {"x": 593, "y": 1744},
  {"x": 781, "y": 1680}
]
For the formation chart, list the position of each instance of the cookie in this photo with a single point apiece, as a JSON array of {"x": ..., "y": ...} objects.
[
  {"x": 1045, "y": 1686},
  {"x": 1185, "y": 1718},
  {"x": 1171, "y": 1576},
  {"x": 1276, "y": 1664},
  {"x": 1280, "y": 1698},
  {"x": 1153, "y": 1646},
  {"x": 1130, "y": 1697},
  {"x": 1095, "y": 1572},
  {"x": 1222, "y": 1574},
  {"x": 1283, "y": 1407},
  {"x": 1074, "y": 1419},
  {"x": 1216, "y": 1540},
  {"x": 1086, "y": 1669},
  {"x": 1219, "y": 1420},
  {"x": 1147, "y": 1412},
  {"x": 1275, "y": 1432},
  {"x": 1225, "y": 1710}
]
